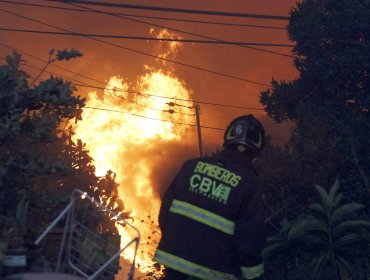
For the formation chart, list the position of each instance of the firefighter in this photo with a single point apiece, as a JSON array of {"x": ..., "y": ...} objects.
[{"x": 212, "y": 214}]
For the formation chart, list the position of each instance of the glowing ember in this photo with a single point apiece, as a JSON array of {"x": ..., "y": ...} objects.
[{"x": 119, "y": 141}]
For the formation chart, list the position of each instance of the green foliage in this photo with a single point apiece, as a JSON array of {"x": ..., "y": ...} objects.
[
  {"x": 324, "y": 242},
  {"x": 40, "y": 163},
  {"x": 60, "y": 55},
  {"x": 22, "y": 209},
  {"x": 328, "y": 102},
  {"x": 67, "y": 55},
  {"x": 328, "y": 105}
]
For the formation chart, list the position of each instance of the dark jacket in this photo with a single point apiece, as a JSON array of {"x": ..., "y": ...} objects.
[{"x": 212, "y": 219}]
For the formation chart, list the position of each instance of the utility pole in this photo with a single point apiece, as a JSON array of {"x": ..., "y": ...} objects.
[{"x": 200, "y": 144}]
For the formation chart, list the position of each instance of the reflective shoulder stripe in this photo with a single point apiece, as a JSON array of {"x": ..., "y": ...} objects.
[
  {"x": 190, "y": 268},
  {"x": 252, "y": 272},
  {"x": 203, "y": 216}
]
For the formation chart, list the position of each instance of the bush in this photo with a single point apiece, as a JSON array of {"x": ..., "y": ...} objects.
[{"x": 329, "y": 242}]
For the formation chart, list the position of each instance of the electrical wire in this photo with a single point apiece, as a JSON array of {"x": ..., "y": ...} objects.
[
  {"x": 185, "y": 100},
  {"x": 87, "y": 85},
  {"x": 83, "y": 84},
  {"x": 137, "y": 115},
  {"x": 160, "y": 26},
  {"x": 105, "y": 88},
  {"x": 169, "y": 28},
  {"x": 151, "y": 118},
  {"x": 150, "y": 17},
  {"x": 171, "y": 111},
  {"x": 173, "y": 10},
  {"x": 144, "y": 38},
  {"x": 52, "y": 65},
  {"x": 173, "y": 122},
  {"x": 178, "y": 30},
  {"x": 142, "y": 53}
]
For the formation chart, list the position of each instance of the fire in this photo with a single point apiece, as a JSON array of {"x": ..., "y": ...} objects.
[
  {"x": 120, "y": 137},
  {"x": 170, "y": 48}
]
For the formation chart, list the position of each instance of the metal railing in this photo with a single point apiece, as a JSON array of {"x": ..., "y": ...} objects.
[{"x": 88, "y": 252}]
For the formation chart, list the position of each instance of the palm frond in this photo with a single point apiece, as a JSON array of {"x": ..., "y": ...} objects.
[
  {"x": 324, "y": 196},
  {"x": 333, "y": 191},
  {"x": 338, "y": 199},
  {"x": 343, "y": 266},
  {"x": 351, "y": 225},
  {"x": 344, "y": 210},
  {"x": 318, "y": 208},
  {"x": 318, "y": 263},
  {"x": 305, "y": 225},
  {"x": 348, "y": 239},
  {"x": 273, "y": 250}
]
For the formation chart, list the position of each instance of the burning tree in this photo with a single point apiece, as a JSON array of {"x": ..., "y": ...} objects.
[{"x": 40, "y": 163}]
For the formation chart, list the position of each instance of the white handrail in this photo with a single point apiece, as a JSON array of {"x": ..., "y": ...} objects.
[{"x": 77, "y": 193}]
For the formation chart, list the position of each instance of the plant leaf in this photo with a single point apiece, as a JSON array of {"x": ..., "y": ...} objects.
[
  {"x": 333, "y": 191},
  {"x": 305, "y": 225},
  {"x": 324, "y": 196},
  {"x": 351, "y": 225},
  {"x": 348, "y": 239},
  {"x": 317, "y": 207},
  {"x": 346, "y": 209}
]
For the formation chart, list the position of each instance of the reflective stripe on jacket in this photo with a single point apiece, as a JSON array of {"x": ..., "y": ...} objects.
[
  {"x": 203, "y": 216},
  {"x": 190, "y": 268}
]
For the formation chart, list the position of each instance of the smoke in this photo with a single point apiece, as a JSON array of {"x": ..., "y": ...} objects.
[{"x": 162, "y": 158}]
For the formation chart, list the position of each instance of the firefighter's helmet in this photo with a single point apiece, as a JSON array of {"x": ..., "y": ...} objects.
[{"x": 246, "y": 131}]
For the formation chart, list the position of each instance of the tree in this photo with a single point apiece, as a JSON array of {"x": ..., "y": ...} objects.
[
  {"x": 329, "y": 101},
  {"x": 40, "y": 163}
]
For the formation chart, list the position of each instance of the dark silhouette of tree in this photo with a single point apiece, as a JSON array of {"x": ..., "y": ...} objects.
[
  {"x": 329, "y": 101},
  {"x": 328, "y": 104}
]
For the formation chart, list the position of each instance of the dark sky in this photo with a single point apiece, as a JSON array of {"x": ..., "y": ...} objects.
[{"x": 102, "y": 61}]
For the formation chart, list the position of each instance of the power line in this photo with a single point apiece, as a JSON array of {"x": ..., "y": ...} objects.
[
  {"x": 178, "y": 30},
  {"x": 51, "y": 73},
  {"x": 185, "y": 100},
  {"x": 151, "y": 118},
  {"x": 111, "y": 110},
  {"x": 137, "y": 115},
  {"x": 117, "y": 111},
  {"x": 144, "y": 38},
  {"x": 173, "y": 122},
  {"x": 124, "y": 16},
  {"x": 174, "y": 10},
  {"x": 87, "y": 85},
  {"x": 126, "y": 91},
  {"x": 85, "y": 9},
  {"x": 142, "y": 94},
  {"x": 150, "y": 17},
  {"x": 143, "y": 53},
  {"x": 52, "y": 65},
  {"x": 105, "y": 88}
]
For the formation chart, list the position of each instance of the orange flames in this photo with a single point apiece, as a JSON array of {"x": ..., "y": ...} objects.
[
  {"x": 170, "y": 48},
  {"x": 125, "y": 136}
]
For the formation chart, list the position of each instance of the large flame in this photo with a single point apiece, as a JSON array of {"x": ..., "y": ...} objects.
[{"x": 120, "y": 136}]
